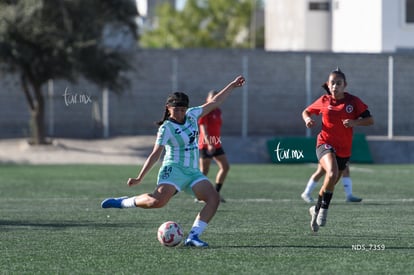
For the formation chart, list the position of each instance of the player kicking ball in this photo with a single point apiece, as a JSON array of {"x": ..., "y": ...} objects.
[{"x": 178, "y": 135}]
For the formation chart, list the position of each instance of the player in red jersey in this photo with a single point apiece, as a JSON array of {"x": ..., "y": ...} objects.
[
  {"x": 340, "y": 112},
  {"x": 319, "y": 173},
  {"x": 209, "y": 144}
]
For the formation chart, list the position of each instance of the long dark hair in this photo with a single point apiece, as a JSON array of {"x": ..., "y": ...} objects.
[{"x": 177, "y": 99}]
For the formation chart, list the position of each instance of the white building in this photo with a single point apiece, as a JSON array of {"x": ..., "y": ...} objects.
[
  {"x": 370, "y": 26},
  {"x": 146, "y": 10}
]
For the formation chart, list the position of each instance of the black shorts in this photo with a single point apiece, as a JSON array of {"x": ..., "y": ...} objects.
[
  {"x": 324, "y": 149},
  {"x": 205, "y": 155}
]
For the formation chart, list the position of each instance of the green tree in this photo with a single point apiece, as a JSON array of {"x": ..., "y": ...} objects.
[
  {"x": 202, "y": 24},
  {"x": 63, "y": 39}
]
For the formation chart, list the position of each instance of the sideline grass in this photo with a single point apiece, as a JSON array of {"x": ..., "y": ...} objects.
[{"x": 51, "y": 223}]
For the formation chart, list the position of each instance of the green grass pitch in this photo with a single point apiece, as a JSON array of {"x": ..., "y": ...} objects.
[{"x": 51, "y": 223}]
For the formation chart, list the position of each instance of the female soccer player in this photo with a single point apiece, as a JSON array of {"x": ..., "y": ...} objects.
[
  {"x": 340, "y": 112},
  {"x": 178, "y": 133},
  {"x": 210, "y": 146}
]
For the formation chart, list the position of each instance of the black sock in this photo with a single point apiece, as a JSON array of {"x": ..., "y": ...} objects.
[
  {"x": 326, "y": 199},
  {"x": 318, "y": 204},
  {"x": 218, "y": 186}
]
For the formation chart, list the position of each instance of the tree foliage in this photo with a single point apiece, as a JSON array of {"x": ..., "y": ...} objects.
[
  {"x": 63, "y": 39},
  {"x": 202, "y": 23}
]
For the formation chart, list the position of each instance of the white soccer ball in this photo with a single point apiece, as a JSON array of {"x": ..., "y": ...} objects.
[{"x": 170, "y": 234}]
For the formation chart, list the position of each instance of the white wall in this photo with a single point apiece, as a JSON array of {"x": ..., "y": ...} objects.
[
  {"x": 397, "y": 34},
  {"x": 356, "y": 26},
  {"x": 371, "y": 26},
  {"x": 290, "y": 26},
  {"x": 318, "y": 28},
  {"x": 284, "y": 25},
  {"x": 359, "y": 26}
]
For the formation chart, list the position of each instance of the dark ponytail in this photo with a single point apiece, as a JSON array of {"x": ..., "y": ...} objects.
[
  {"x": 166, "y": 115},
  {"x": 326, "y": 88}
]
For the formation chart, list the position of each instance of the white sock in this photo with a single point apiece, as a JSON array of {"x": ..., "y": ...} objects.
[
  {"x": 128, "y": 203},
  {"x": 310, "y": 186},
  {"x": 198, "y": 228},
  {"x": 347, "y": 182}
]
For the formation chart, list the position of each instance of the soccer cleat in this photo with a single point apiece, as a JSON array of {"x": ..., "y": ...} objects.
[
  {"x": 306, "y": 197},
  {"x": 322, "y": 215},
  {"x": 313, "y": 224},
  {"x": 113, "y": 202},
  {"x": 353, "y": 199},
  {"x": 222, "y": 199},
  {"x": 195, "y": 241}
]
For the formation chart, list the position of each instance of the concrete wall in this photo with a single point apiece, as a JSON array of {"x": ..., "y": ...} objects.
[{"x": 275, "y": 92}]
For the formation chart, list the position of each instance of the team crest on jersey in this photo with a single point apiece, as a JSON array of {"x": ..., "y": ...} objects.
[
  {"x": 328, "y": 147},
  {"x": 349, "y": 109}
]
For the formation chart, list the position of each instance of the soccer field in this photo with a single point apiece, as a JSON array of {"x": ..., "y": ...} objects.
[{"x": 51, "y": 223}]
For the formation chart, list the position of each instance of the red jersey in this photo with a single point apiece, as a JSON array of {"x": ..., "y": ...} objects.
[
  {"x": 212, "y": 121},
  {"x": 333, "y": 113}
]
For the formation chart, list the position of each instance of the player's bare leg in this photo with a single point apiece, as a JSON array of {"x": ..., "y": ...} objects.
[
  {"x": 224, "y": 167},
  {"x": 312, "y": 182},
  {"x": 204, "y": 191},
  {"x": 329, "y": 164},
  {"x": 204, "y": 164},
  {"x": 157, "y": 199}
]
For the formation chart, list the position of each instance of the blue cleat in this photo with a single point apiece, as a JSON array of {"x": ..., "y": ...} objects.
[
  {"x": 113, "y": 202},
  {"x": 195, "y": 241},
  {"x": 353, "y": 199}
]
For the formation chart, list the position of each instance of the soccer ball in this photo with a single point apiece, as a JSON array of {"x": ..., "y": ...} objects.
[{"x": 170, "y": 234}]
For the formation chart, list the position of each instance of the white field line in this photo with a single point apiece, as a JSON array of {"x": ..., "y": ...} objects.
[
  {"x": 255, "y": 200},
  {"x": 258, "y": 200}
]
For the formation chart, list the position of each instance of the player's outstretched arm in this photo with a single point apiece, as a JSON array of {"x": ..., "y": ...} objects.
[
  {"x": 149, "y": 163},
  {"x": 219, "y": 98}
]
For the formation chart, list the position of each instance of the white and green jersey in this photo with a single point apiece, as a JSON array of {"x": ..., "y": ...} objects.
[{"x": 181, "y": 140}]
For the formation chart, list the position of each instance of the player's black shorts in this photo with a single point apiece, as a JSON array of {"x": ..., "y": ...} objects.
[
  {"x": 205, "y": 155},
  {"x": 324, "y": 149}
]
